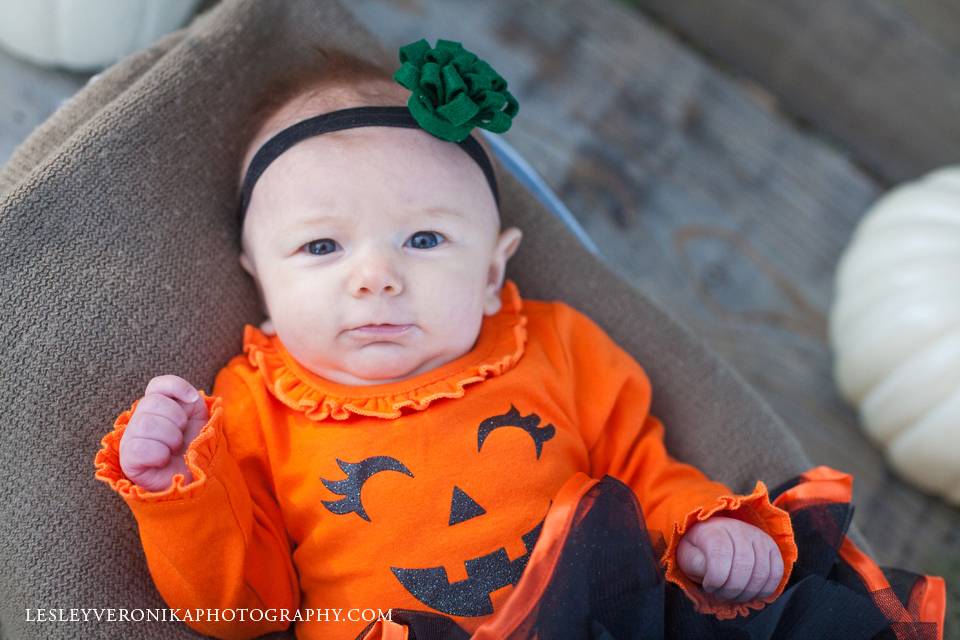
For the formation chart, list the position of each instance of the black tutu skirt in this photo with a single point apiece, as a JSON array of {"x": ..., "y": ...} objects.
[{"x": 597, "y": 577}]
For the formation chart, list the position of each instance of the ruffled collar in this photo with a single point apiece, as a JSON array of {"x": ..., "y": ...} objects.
[{"x": 499, "y": 346}]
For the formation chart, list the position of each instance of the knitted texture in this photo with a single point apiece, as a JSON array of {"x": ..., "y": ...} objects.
[{"x": 119, "y": 263}]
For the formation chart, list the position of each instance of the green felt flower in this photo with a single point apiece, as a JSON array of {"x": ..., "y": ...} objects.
[{"x": 454, "y": 90}]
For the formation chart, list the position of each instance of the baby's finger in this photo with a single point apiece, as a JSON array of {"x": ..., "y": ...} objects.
[
  {"x": 157, "y": 404},
  {"x": 142, "y": 454},
  {"x": 761, "y": 572},
  {"x": 692, "y": 561},
  {"x": 776, "y": 573},
  {"x": 718, "y": 547},
  {"x": 158, "y": 427},
  {"x": 174, "y": 387},
  {"x": 740, "y": 570}
]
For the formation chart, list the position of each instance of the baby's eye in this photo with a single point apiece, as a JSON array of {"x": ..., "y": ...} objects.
[
  {"x": 425, "y": 239},
  {"x": 321, "y": 247}
]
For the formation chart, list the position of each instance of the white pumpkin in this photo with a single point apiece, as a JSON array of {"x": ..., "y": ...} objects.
[
  {"x": 86, "y": 35},
  {"x": 895, "y": 329}
]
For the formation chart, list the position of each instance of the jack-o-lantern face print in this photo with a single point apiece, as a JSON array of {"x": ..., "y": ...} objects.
[{"x": 486, "y": 573}]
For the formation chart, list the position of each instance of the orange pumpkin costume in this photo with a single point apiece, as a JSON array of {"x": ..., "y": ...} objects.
[{"x": 275, "y": 516}]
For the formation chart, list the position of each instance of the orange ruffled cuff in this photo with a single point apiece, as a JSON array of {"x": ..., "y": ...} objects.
[
  {"x": 199, "y": 457},
  {"x": 754, "y": 509}
]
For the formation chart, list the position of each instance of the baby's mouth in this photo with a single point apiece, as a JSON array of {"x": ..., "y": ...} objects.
[{"x": 382, "y": 329}]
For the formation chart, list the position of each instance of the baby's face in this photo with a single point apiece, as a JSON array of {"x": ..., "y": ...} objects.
[{"x": 375, "y": 225}]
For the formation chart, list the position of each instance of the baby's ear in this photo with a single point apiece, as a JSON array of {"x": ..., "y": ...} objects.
[
  {"x": 247, "y": 264},
  {"x": 507, "y": 245}
]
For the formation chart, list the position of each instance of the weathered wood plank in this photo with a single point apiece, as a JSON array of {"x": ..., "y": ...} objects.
[
  {"x": 882, "y": 77},
  {"x": 708, "y": 199},
  {"x": 28, "y": 95}
]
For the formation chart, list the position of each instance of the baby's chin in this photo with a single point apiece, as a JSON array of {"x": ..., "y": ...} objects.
[{"x": 381, "y": 364}]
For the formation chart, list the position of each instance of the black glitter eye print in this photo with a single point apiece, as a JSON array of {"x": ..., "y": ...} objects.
[
  {"x": 513, "y": 418},
  {"x": 357, "y": 474}
]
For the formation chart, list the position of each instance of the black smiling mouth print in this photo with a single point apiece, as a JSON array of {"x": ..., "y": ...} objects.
[{"x": 469, "y": 597}]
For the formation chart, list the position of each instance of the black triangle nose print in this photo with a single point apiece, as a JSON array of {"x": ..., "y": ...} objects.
[{"x": 463, "y": 507}]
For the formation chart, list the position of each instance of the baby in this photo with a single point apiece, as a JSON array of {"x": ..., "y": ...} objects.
[{"x": 394, "y": 343}]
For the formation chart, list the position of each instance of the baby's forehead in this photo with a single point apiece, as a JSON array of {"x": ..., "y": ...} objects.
[
  {"x": 417, "y": 144},
  {"x": 359, "y": 205},
  {"x": 378, "y": 165}
]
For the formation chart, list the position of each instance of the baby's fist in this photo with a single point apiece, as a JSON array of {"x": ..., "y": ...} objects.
[
  {"x": 167, "y": 419},
  {"x": 731, "y": 559}
]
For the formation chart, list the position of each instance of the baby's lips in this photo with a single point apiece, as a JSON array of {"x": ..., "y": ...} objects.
[{"x": 383, "y": 329}]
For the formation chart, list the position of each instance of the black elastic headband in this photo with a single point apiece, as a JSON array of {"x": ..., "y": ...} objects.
[{"x": 398, "y": 116}]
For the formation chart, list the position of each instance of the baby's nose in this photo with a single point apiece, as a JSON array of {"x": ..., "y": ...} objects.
[
  {"x": 374, "y": 279},
  {"x": 387, "y": 288}
]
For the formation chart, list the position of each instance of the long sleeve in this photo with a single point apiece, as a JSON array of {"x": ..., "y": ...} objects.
[
  {"x": 612, "y": 396},
  {"x": 219, "y": 541}
]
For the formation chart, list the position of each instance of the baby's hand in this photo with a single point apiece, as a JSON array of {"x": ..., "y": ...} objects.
[
  {"x": 167, "y": 419},
  {"x": 735, "y": 560}
]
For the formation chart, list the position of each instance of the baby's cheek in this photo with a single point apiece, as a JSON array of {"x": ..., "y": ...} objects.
[
  {"x": 458, "y": 307},
  {"x": 296, "y": 298},
  {"x": 458, "y": 335}
]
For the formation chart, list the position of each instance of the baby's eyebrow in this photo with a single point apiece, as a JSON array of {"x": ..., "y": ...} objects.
[
  {"x": 319, "y": 219},
  {"x": 308, "y": 223},
  {"x": 441, "y": 211}
]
